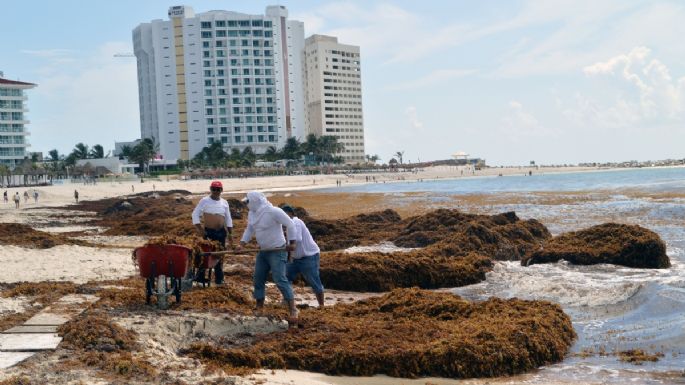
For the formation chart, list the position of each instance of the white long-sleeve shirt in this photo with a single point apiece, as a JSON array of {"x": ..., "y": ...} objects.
[
  {"x": 211, "y": 206},
  {"x": 306, "y": 247},
  {"x": 268, "y": 229}
]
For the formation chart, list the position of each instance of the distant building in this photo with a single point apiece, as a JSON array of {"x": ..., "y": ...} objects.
[
  {"x": 220, "y": 76},
  {"x": 333, "y": 94},
  {"x": 13, "y": 132},
  {"x": 119, "y": 146},
  {"x": 105, "y": 166}
]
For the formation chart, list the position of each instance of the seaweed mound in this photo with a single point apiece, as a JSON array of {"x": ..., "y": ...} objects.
[
  {"x": 356, "y": 230},
  {"x": 501, "y": 237},
  {"x": 97, "y": 332},
  {"x": 412, "y": 333},
  {"x": 23, "y": 235},
  {"x": 619, "y": 244},
  {"x": 377, "y": 272}
]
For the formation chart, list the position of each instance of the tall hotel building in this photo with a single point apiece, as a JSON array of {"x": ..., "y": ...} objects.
[
  {"x": 333, "y": 94},
  {"x": 220, "y": 76},
  {"x": 13, "y": 122}
]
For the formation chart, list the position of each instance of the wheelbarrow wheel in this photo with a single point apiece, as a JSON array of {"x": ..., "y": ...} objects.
[
  {"x": 148, "y": 290},
  {"x": 177, "y": 289}
]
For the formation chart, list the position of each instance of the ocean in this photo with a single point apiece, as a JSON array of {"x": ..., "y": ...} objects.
[{"x": 613, "y": 308}]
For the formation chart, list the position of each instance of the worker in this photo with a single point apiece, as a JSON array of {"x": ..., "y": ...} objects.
[
  {"x": 266, "y": 222},
  {"x": 306, "y": 256},
  {"x": 214, "y": 211}
]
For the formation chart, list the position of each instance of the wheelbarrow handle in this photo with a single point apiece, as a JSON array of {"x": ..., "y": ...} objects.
[{"x": 243, "y": 251}]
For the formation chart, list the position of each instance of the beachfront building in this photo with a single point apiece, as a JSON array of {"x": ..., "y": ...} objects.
[
  {"x": 13, "y": 132},
  {"x": 220, "y": 76},
  {"x": 333, "y": 94}
]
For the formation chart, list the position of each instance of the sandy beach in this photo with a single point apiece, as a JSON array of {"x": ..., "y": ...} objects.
[{"x": 107, "y": 259}]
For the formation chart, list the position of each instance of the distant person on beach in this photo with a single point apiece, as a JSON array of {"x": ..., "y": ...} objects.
[
  {"x": 26, "y": 196},
  {"x": 35, "y": 196},
  {"x": 4, "y": 196},
  {"x": 16, "y": 199},
  {"x": 213, "y": 210},
  {"x": 133, "y": 189},
  {"x": 266, "y": 222},
  {"x": 306, "y": 257},
  {"x": 76, "y": 195}
]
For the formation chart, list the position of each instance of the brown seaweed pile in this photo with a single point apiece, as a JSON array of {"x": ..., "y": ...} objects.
[
  {"x": 96, "y": 331},
  {"x": 502, "y": 236},
  {"x": 378, "y": 272},
  {"x": 638, "y": 356},
  {"x": 412, "y": 333},
  {"x": 25, "y": 236},
  {"x": 356, "y": 230},
  {"x": 619, "y": 244},
  {"x": 195, "y": 243}
]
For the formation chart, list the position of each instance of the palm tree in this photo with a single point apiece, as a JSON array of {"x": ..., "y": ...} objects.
[
  {"x": 329, "y": 145},
  {"x": 399, "y": 155},
  {"x": 97, "y": 152},
  {"x": 80, "y": 151},
  {"x": 291, "y": 150},
  {"x": 271, "y": 154},
  {"x": 248, "y": 157}
]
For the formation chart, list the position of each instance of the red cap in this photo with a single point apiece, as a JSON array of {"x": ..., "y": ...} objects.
[{"x": 216, "y": 183}]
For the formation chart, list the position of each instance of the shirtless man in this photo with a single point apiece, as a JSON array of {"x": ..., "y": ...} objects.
[{"x": 218, "y": 225}]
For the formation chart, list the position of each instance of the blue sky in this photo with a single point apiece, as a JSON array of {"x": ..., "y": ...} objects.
[{"x": 509, "y": 81}]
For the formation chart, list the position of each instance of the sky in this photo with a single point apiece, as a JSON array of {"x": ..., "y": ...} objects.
[{"x": 555, "y": 82}]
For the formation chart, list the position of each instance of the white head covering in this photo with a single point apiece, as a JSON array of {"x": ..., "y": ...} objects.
[{"x": 257, "y": 205}]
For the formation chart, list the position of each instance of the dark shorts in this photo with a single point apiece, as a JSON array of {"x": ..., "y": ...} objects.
[{"x": 220, "y": 236}]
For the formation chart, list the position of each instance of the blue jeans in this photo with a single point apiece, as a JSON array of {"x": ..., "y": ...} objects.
[
  {"x": 309, "y": 268},
  {"x": 274, "y": 261}
]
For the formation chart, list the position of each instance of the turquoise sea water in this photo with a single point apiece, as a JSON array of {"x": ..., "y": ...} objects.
[
  {"x": 648, "y": 179},
  {"x": 613, "y": 308}
]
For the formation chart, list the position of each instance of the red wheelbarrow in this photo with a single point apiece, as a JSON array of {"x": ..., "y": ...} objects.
[{"x": 163, "y": 267}]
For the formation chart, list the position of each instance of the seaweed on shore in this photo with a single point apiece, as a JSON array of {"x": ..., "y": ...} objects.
[
  {"x": 501, "y": 237},
  {"x": 23, "y": 235},
  {"x": 377, "y": 272},
  {"x": 619, "y": 244},
  {"x": 356, "y": 230},
  {"x": 411, "y": 333}
]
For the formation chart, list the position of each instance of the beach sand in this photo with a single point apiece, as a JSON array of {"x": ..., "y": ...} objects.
[{"x": 111, "y": 259}]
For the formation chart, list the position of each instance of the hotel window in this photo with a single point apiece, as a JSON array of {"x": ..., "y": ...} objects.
[
  {"x": 206, "y": 34},
  {"x": 220, "y": 23},
  {"x": 206, "y": 24},
  {"x": 224, "y": 139}
]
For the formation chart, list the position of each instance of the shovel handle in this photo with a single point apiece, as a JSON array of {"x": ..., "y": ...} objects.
[{"x": 243, "y": 251}]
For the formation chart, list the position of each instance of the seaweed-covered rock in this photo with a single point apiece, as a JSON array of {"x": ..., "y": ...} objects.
[
  {"x": 619, "y": 244},
  {"x": 411, "y": 333}
]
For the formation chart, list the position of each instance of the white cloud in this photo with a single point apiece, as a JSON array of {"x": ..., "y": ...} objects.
[
  {"x": 436, "y": 77},
  {"x": 518, "y": 122},
  {"x": 48, "y": 53},
  {"x": 654, "y": 96},
  {"x": 414, "y": 121}
]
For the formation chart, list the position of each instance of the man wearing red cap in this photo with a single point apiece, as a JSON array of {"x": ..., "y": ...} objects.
[{"x": 218, "y": 225}]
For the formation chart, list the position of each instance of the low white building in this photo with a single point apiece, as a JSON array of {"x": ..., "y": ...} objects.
[{"x": 113, "y": 165}]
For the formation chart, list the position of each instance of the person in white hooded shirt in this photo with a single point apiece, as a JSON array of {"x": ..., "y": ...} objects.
[{"x": 266, "y": 222}]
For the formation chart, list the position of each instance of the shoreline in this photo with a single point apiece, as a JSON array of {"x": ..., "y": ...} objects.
[{"x": 62, "y": 194}]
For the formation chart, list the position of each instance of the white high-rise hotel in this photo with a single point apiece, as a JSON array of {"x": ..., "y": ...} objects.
[
  {"x": 13, "y": 133},
  {"x": 333, "y": 93},
  {"x": 220, "y": 76},
  {"x": 238, "y": 79}
]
